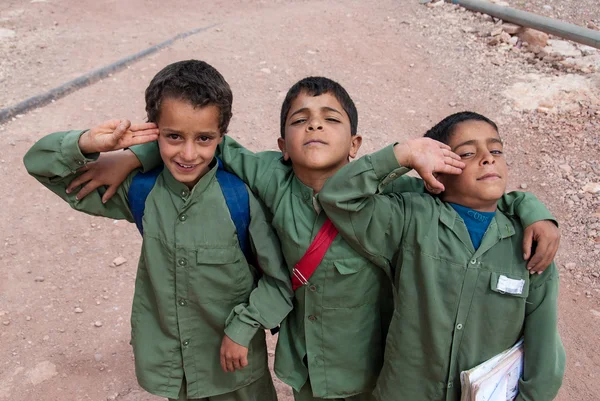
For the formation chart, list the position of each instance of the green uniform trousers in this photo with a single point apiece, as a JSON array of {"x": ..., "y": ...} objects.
[
  {"x": 261, "y": 390},
  {"x": 306, "y": 394}
]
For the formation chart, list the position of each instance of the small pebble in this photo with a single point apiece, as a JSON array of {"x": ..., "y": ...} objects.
[
  {"x": 28, "y": 318},
  {"x": 98, "y": 323},
  {"x": 523, "y": 186},
  {"x": 39, "y": 279},
  {"x": 78, "y": 310}
]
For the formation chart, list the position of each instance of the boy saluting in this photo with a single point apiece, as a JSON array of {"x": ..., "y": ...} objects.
[
  {"x": 198, "y": 314},
  {"x": 463, "y": 293}
]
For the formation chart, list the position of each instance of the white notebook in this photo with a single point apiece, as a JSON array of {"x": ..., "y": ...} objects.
[{"x": 496, "y": 379}]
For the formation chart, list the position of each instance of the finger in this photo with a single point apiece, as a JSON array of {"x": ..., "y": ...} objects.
[
  {"x": 80, "y": 180},
  {"x": 237, "y": 364},
  {"x": 433, "y": 182},
  {"x": 454, "y": 162},
  {"x": 121, "y": 129},
  {"x": 149, "y": 131},
  {"x": 244, "y": 361},
  {"x": 223, "y": 362},
  {"x": 451, "y": 154},
  {"x": 138, "y": 140},
  {"x": 110, "y": 192},
  {"x": 447, "y": 169},
  {"x": 142, "y": 127},
  {"x": 527, "y": 243},
  {"x": 88, "y": 189},
  {"x": 229, "y": 362},
  {"x": 541, "y": 251},
  {"x": 547, "y": 256}
]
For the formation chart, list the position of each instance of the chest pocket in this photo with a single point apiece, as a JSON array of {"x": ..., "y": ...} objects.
[
  {"x": 352, "y": 282},
  {"x": 220, "y": 274},
  {"x": 508, "y": 297}
]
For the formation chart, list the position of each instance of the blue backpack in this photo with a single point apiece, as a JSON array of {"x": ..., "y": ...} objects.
[{"x": 234, "y": 190}]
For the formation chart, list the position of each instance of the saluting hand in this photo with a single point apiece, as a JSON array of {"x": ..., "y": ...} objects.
[
  {"x": 429, "y": 157},
  {"x": 117, "y": 134}
]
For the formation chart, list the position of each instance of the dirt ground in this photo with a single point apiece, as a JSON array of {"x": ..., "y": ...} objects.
[{"x": 64, "y": 311}]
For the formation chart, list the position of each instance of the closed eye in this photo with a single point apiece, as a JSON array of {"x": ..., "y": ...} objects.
[
  {"x": 299, "y": 121},
  {"x": 496, "y": 152},
  {"x": 467, "y": 154},
  {"x": 333, "y": 120}
]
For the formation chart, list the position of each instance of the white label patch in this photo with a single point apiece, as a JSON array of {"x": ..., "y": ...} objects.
[{"x": 510, "y": 286}]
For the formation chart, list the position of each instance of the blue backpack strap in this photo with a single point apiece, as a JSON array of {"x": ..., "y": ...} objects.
[
  {"x": 141, "y": 185},
  {"x": 237, "y": 199}
]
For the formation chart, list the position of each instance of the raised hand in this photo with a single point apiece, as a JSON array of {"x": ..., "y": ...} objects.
[
  {"x": 117, "y": 134},
  {"x": 429, "y": 158}
]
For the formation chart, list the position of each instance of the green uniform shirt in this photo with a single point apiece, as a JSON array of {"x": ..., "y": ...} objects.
[
  {"x": 193, "y": 283},
  {"x": 340, "y": 320},
  {"x": 453, "y": 310}
]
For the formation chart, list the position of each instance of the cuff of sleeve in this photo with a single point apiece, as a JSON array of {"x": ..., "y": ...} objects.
[
  {"x": 72, "y": 156},
  {"x": 240, "y": 332},
  {"x": 148, "y": 155},
  {"x": 386, "y": 166},
  {"x": 537, "y": 214}
]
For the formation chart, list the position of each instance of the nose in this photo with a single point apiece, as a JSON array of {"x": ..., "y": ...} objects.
[
  {"x": 315, "y": 125},
  {"x": 188, "y": 152},
  {"x": 488, "y": 158}
]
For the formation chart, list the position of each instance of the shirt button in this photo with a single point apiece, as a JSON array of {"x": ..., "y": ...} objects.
[
  {"x": 474, "y": 261},
  {"x": 79, "y": 162},
  {"x": 459, "y": 326},
  {"x": 182, "y": 302},
  {"x": 183, "y": 217},
  {"x": 450, "y": 385},
  {"x": 186, "y": 343},
  {"x": 313, "y": 288},
  {"x": 182, "y": 262},
  {"x": 393, "y": 175},
  {"x": 184, "y": 193},
  {"x": 312, "y": 318},
  {"x": 306, "y": 196}
]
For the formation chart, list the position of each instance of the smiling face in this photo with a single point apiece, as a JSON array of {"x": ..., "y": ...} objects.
[
  {"x": 318, "y": 134},
  {"x": 188, "y": 139},
  {"x": 483, "y": 180}
]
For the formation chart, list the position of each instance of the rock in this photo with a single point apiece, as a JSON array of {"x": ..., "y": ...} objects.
[
  {"x": 7, "y": 33},
  {"x": 494, "y": 41},
  {"x": 98, "y": 357},
  {"x": 118, "y": 261},
  {"x": 511, "y": 29},
  {"x": 46, "y": 338},
  {"x": 78, "y": 310},
  {"x": 562, "y": 48},
  {"x": 570, "y": 266},
  {"x": 534, "y": 37},
  {"x": 547, "y": 7},
  {"x": 496, "y": 31},
  {"x": 28, "y": 318},
  {"x": 513, "y": 40},
  {"x": 265, "y": 70},
  {"x": 523, "y": 186},
  {"x": 596, "y": 274},
  {"x": 42, "y": 372},
  {"x": 39, "y": 279},
  {"x": 98, "y": 323},
  {"x": 505, "y": 37},
  {"x": 592, "y": 188},
  {"x": 452, "y": 104},
  {"x": 566, "y": 168},
  {"x": 468, "y": 29},
  {"x": 587, "y": 280},
  {"x": 587, "y": 50},
  {"x": 6, "y": 322}
]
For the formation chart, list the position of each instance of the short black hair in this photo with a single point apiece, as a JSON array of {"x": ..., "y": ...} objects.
[
  {"x": 443, "y": 130},
  {"x": 316, "y": 86},
  {"x": 193, "y": 81}
]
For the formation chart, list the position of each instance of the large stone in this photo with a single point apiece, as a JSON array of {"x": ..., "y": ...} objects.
[
  {"x": 562, "y": 48},
  {"x": 43, "y": 371},
  {"x": 511, "y": 28},
  {"x": 533, "y": 37},
  {"x": 592, "y": 187}
]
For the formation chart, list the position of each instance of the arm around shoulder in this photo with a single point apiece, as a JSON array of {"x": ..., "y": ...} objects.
[
  {"x": 271, "y": 300},
  {"x": 544, "y": 361}
]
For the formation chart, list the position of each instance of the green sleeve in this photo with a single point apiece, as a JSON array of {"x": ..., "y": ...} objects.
[
  {"x": 544, "y": 359},
  {"x": 54, "y": 161},
  {"x": 405, "y": 183},
  {"x": 271, "y": 300},
  {"x": 372, "y": 223},
  {"x": 526, "y": 207},
  {"x": 148, "y": 155},
  {"x": 255, "y": 169}
]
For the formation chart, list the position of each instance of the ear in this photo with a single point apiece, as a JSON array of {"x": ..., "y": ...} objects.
[
  {"x": 355, "y": 142},
  {"x": 281, "y": 144}
]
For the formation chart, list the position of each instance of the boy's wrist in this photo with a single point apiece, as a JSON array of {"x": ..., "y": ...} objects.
[
  {"x": 403, "y": 154},
  {"x": 85, "y": 144},
  {"x": 131, "y": 159}
]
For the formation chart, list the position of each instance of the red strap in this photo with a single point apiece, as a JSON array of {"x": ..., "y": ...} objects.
[{"x": 307, "y": 265}]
